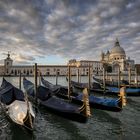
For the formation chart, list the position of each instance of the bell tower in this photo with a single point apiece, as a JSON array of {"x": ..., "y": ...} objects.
[{"x": 8, "y": 64}]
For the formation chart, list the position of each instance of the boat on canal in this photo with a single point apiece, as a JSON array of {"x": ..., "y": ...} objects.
[
  {"x": 16, "y": 106},
  {"x": 54, "y": 104},
  {"x": 95, "y": 102}
]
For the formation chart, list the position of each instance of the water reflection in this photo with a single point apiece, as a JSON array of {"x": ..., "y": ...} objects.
[
  {"x": 20, "y": 133},
  {"x": 104, "y": 116},
  {"x": 102, "y": 125},
  {"x": 10, "y": 131},
  {"x": 61, "y": 125}
]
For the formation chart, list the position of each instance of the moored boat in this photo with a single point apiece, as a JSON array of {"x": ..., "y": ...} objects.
[
  {"x": 111, "y": 83},
  {"x": 113, "y": 89},
  {"x": 16, "y": 106},
  {"x": 95, "y": 102},
  {"x": 54, "y": 104}
]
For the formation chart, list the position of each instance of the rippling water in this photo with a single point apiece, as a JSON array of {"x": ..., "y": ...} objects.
[{"x": 102, "y": 125}]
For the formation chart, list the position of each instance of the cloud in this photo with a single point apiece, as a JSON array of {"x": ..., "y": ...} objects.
[
  {"x": 68, "y": 28},
  {"x": 22, "y": 58}
]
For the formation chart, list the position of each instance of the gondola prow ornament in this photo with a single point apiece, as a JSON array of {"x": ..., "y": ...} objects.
[
  {"x": 123, "y": 95},
  {"x": 86, "y": 102}
]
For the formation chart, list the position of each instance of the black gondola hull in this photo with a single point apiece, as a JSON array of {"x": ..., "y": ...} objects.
[{"x": 53, "y": 104}]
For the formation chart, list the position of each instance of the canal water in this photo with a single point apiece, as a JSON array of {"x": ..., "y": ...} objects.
[{"x": 102, "y": 125}]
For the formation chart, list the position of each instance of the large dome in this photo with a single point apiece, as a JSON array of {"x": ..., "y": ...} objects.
[{"x": 117, "y": 49}]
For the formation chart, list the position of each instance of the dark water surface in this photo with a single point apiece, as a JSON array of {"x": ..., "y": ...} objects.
[{"x": 103, "y": 125}]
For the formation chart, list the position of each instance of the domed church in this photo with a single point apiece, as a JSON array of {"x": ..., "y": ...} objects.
[{"x": 116, "y": 58}]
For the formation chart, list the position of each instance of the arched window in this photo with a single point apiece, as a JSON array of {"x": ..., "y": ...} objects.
[
  {"x": 24, "y": 71},
  {"x": 18, "y": 71},
  {"x": 31, "y": 71},
  {"x": 12, "y": 71},
  {"x": 15, "y": 72},
  {"x": 27, "y": 72},
  {"x": 47, "y": 73},
  {"x": 58, "y": 73}
]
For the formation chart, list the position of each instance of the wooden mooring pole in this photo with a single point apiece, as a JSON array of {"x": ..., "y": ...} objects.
[
  {"x": 78, "y": 75},
  {"x": 136, "y": 77},
  {"x": 56, "y": 78},
  {"x": 69, "y": 80},
  {"x": 104, "y": 86},
  {"x": 89, "y": 79},
  {"x": 129, "y": 75},
  {"x": 118, "y": 76},
  {"x": 39, "y": 74},
  {"x": 35, "y": 76},
  {"x": 20, "y": 79}
]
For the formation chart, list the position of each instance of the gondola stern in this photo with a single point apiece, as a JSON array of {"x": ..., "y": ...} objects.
[
  {"x": 122, "y": 100},
  {"x": 28, "y": 121},
  {"x": 85, "y": 109}
]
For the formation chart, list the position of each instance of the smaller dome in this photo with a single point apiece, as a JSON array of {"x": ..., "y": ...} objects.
[{"x": 117, "y": 49}]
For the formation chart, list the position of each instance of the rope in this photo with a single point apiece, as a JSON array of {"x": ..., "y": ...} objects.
[{"x": 82, "y": 108}]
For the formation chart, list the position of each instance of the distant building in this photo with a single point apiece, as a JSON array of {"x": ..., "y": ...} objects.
[
  {"x": 14, "y": 70},
  {"x": 138, "y": 68},
  {"x": 116, "y": 57},
  {"x": 97, "y": 66},
  {"x": 111, "y": 60},
  {"x": 8, "y": 69}
]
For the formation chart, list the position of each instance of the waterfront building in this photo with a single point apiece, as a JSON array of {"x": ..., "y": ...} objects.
[
  {"x": 8, "y": 69},
  {"x": 116, "y": 58},
  {"x": 113, "y": 59},
  {"x": 14, "y": 70},
  {"x": 96, "y": 66},
  {"x": 138, "y": 68}
]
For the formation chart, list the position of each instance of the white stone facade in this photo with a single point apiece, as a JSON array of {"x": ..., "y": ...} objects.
[
  {"x": 116, "y": 57},
  {"x": 113, "y": 58},
  {"x": 96, "y": 66},
  {"x": 8, "y": 69}
]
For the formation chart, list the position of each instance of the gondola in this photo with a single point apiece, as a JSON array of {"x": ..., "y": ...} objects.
[
  {"x": 83, "y": 85},
  {"x": 16, "y": 106},
  {"x": 95, "y": 102},
  {"x": 56, "y": 105},
  {"x": 93, "y": 86},
  {"x": 114, "y": 90},
  {"x": 111, "y": 83},
  {"x": 129, "y": 91},
  {"x": 115, "y": 83},
  {"x": 109, "y": 90}
]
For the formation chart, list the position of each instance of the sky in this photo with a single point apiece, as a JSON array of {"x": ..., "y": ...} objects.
[{"x": 55, "y": 31}]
